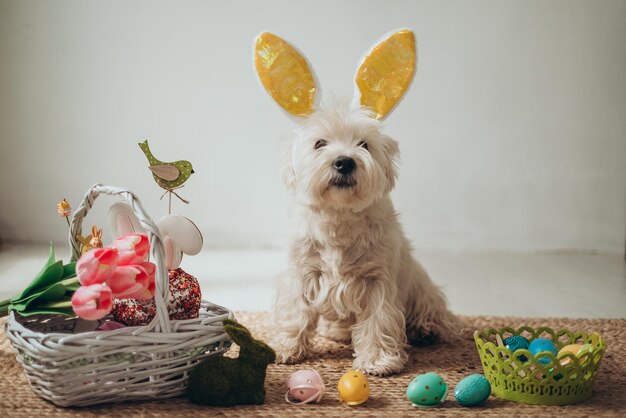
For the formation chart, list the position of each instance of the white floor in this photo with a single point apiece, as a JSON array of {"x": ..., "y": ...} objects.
[{"x": 568, "y": 285}]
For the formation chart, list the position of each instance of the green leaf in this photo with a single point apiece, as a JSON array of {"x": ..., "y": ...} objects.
[
  {"x": 69, "y": 270},
  {"x": 52, "y": 293},
  {"x": 41, "y": 306},
  {"x": 4, "y": 307},
  {"x": 49, "y": 277},
  {"x": 50, "y": 274},
  {"x": 51, "y": 258},
  {"x": 47, "y": 311}
]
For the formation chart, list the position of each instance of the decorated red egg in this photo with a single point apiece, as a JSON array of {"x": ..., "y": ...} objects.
[{"x": 184, "y": 302}]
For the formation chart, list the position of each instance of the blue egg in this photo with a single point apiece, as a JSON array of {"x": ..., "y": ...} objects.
[
  {"x": 517, "y": 342},
  {"x": 473, "y": 390},
  {"x": 542, "y": 345}
]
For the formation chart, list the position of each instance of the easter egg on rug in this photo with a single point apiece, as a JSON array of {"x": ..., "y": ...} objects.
[
  {"x": 472, "y": 390},
  {"x": 427, "y": 390},
  {"x": 353, "y": 388},
  {"x": 304, "y": 386}
]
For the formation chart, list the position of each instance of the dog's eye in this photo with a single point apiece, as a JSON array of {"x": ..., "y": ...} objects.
[
  {"x": 362, "y": 144},
  {"x": 320, "y": 143}
]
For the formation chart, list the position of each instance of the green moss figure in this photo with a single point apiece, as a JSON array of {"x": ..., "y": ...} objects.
[{"x": 222, "y": 381}]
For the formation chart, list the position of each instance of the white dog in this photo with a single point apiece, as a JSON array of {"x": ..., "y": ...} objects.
[{"x": 352, "y": 276}]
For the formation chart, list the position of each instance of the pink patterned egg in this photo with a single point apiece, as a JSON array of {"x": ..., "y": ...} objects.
[{"x": 304, "y": 386}]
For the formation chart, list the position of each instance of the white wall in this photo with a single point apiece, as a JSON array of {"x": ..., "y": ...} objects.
[{"x": 513, "y": 135}]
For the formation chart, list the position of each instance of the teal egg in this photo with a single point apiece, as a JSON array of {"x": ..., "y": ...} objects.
[
  {"x": 427, "y": 390},
  {"x": 473, "y": 390},
  {"x": 517, "y": 342},
  {"x": 541, "y": 345}
]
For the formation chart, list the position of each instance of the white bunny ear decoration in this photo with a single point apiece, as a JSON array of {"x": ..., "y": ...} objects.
[
  {"x": 123, "y": 221},
  {"x": 180, "y": 236},
  {"x": 386, "y": 72},
  {"x": 285, "y": 74}
]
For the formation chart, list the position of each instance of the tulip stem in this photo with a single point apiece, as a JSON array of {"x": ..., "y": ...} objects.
[
  {"x": 63, "y": 304},
  {"x": 70, "y": 281},
  {"x": 60, "y": 304},
  {"x": 4, "y": 307}
]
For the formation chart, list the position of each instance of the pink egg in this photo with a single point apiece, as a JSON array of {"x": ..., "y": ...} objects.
[{"x": 304, "y": 386}]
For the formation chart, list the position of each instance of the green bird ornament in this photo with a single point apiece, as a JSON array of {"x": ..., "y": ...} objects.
[{"x": 168, "y": 176}]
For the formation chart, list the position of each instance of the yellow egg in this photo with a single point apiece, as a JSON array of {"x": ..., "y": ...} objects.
[
  {"x": 586, "y": 348},
  {"x": 571, "y": 348},
  {"x": 353, "y": 388}
]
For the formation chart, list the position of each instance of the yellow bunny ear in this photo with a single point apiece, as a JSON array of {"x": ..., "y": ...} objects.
[
  {"x": 386, "y": 72},
  {"x": 285, "y": 74}
]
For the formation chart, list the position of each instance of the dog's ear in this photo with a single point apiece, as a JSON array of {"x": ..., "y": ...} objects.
[
  {"x": 286, "y": 75},
  {"x": 392, "y": 153},
  {"x": 386, "y": 72}
]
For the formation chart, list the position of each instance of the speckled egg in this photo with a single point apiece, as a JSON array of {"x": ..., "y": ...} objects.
[
  {"x": 427, "y": 390},
  {"x": 304, "y": 386},
  {"x": 473, "y": 390},
  {"x": 517, "y": 342},
  {"x": 541, "y": 345},
  {"x": 184, "y": 302},
  {"x": 353, "y": 388}
]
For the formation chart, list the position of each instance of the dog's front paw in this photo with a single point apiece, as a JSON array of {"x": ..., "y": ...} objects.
[
  {"x": 290, "y": 355},
  {"x": 381, "y": 366},
  {"x": 289, "y": 351}
]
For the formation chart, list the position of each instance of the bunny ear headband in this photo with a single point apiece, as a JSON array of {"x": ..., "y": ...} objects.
[{"x": 385, "y": 74}]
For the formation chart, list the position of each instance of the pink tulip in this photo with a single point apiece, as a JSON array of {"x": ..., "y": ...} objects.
[
  {"x": 96, "y": 266},
  {"x": 92, "y": 302},
  {"x": 133, "y": 282},
  {"x": 132, "y": 249}
]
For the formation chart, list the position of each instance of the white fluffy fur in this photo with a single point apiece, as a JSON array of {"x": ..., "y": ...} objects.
[{"x": 352, "y": 275}]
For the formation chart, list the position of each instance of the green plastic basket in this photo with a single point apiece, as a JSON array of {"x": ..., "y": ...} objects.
[{"x": 532, "y": 382}]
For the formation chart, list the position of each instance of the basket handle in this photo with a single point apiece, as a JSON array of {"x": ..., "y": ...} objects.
[{"x": 161, "y": 321}]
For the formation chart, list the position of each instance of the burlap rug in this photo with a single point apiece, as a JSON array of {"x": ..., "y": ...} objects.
[{"x": 388, "y": 394}]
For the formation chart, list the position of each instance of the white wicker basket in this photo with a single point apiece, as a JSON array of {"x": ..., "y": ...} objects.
[{"x": 146, "y": 362}]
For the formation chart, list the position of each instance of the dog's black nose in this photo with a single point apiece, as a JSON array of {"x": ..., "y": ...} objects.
[{"x": 345, "y": 165}]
